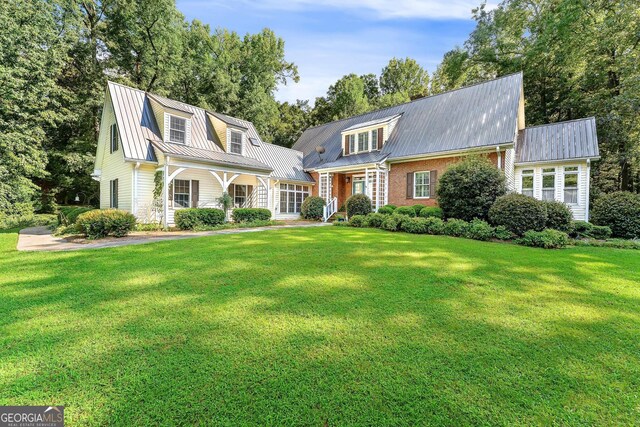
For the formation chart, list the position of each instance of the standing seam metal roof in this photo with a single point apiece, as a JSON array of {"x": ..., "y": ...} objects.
[
  {"x": 137, "y": 126},
  {"x": 575, "y": 139},
  {"x": 484, "y": 114}
]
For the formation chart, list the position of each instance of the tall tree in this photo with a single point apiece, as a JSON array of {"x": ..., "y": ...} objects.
[
  {"x": 348, "y": 97},
  {"x": 404, "y": 75}
]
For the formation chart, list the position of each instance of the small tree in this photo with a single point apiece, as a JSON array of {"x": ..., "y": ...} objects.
[
  {"x": 468, "y": 189},
  {"x": 312, "y": 208},
  {"x": 225, "y": 202}
]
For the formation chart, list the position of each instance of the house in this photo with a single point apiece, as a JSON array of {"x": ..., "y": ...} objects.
[
  {"x": 156, "y": 155},
  {"x": 396, "y": 155}
]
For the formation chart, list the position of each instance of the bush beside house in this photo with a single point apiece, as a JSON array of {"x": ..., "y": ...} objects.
[
  {"x": 468, "y": 189},
  {"x": 358, "y": 204},
  {"x": 312, "y": 208},
  {"x": 188, "y": 219},
  {"x": 96, "y": 224},
  {"x": 251, "y": 214},
  {"x": 518, "y": 213},
  {"x": 619, "y": 211}
]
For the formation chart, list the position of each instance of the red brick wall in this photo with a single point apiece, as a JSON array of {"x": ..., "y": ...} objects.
[{"x": 399, "y": 171}]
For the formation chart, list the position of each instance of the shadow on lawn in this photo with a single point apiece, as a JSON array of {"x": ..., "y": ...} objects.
[{"x": 353, "y": 327}]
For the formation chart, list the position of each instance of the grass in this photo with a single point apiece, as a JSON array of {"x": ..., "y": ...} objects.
[{"x": 323, "y": 326}]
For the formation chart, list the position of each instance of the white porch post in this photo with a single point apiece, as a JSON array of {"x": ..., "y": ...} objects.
[
  {"x": 377, "y": 189},
  {"x": 268, "y": 189},
  {"x": 165, "y": 194}
]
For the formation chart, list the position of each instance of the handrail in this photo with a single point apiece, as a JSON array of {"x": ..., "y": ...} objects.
[{"x": 329, "y": 209}]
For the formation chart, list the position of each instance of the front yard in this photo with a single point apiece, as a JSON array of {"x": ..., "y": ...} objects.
[{"x": 323, "y": 326}]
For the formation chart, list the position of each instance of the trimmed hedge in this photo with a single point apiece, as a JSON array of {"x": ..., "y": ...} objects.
[
  {"x": 415, "y": 225},
  {"x": 96, "y": 223},
  {"x": 385, "y": 210},
  {"x": 394, "y": 222},
  {"x": 417, "y": 209},
  {"x": 434, "y": 225},
  {"x": 358, "y": 221},
  {"x": 518, "y": 213},
  {"x": 190, "y": 218},
  {"x": 479, "y": 230},
  {"x": 467, "y": 189},
  {"x": 406, "y": 210},
  {"x": 431, "y": 211},
  {"x": 358, "y": 204},
  {"x": 375, "y": 220},
  {"x": 547, "y": 239},
  {"x": 587, "y": 230},
  {"x": 312, "y": 208},
  {"x": 390, "y": 206},
  {"x": 501, "y": 233},
  {"x": 456, "y": 227},
  {"x": 559, "y": 216},
  {"x": 67, "y": 215},
  {"x": 620, "y": 211},
  {"x": 251, "y": 214}
]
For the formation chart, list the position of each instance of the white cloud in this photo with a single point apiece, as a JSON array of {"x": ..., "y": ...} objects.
[{"x": 381, "y": 9}]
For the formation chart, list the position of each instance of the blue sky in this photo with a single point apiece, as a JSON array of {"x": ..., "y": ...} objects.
[{"x": 327, "y": 39}]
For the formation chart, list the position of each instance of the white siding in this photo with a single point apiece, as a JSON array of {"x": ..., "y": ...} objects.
[
  {"x": 144, "y": 203},
  {"x": 113, "y": 165},
  {"x": 579, "y": 210},
  {"x": 509, "y": 158}
]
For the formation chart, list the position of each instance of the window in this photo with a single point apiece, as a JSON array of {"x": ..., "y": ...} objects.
[
  {"x": 235, "y": 143},
  {"x": 374, "y": 139},
  {"x": 527, "y": 182},
  {"x": 571, "y": 184},
  {"x": 177, "y": 129},
  {"x": 421, "y": 185},
  {"x": 358, "y": 186},
  {"x": 549, "y": 184},
  {"x": 363, "y": 141},
  {"x": 113, "y": 194},
  {"x": 352, "y": 143},
  {"x": 181, "y": 192},
  {"x": 240, "y": 195},
  {"x": 114, "y": 138},
  {"x": 291, "y": 197}
]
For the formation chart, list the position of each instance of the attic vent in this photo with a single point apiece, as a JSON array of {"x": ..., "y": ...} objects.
[{"x": 254, "y": 142}]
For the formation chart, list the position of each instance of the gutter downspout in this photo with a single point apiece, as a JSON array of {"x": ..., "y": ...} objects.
[{"x": 586, "y": 211}]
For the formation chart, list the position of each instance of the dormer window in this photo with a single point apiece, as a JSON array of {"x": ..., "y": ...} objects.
[
  {"x": 177, "y": 129},
  {"x": 363, "y": 141},
  {"x": 235, "y": 142}
]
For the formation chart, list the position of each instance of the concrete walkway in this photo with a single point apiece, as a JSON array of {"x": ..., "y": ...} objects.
[{"x": 41, "y": 239}]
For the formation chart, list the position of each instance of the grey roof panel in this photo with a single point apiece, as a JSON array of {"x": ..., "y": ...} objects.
[
  {"x": 355, "y": 159},
  {"x": 484, "y": 114},
  {"x": 371, "y": 123},
  {"x": 218, "y": 157},
  {"x": 575, "y": 139}
]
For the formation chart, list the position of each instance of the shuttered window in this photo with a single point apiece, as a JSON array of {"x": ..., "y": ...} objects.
[
  {"x": 352, "y": 143},
  {"x": 363, "y": 141},
  {"x": 114, "y": 138},
  {"x": 571, "y": 185},
  {"x": 181, "y": 193},
  {"x": 113, "y": 194},
  {"x": 422, "y": 185}
]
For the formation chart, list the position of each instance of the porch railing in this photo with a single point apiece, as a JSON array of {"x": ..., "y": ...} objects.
[{"x": 329, "y": 209}]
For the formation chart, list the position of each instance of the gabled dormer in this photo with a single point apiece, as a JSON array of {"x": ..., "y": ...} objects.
[
  {"x": 368, "y": 136},
  {"x": 230, "y": 132},
  {"x": 174, "y": 120}
]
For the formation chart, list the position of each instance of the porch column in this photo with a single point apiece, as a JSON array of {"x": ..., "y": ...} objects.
[
  {"x": 165, "y": 193},
  {"x": 268, "y": 189},
  {"x": 377, "y": 189}
]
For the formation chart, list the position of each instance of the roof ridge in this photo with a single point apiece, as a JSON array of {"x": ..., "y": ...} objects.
[
  {"x": 560, "y": 123},
  {"x": 417, "y": 100}
]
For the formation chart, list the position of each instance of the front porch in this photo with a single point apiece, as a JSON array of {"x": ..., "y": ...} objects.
[{"x": 336, "y": 186}]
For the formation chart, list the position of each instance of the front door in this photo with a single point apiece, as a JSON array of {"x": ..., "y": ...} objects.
[{"x": 358, "y": 186}]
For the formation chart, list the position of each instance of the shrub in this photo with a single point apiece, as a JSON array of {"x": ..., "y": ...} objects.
[
  {"x": 385, "y": 210},
  {"x": 251, "y": 214},
  {"x": 28, "y": 220},
  {"x": 468, "y": 189},
  {"x": 581, "y": 229},
  {"x": 417, "y": 208},
  {"x": 559, "y": 215},
  {"x": 601, "y": 232},
  {"x": 393, "y": 222},
  {"x": 358, "y": 221},
  {"x": 96, "y": 224},
  {"x": 67, "y": 215},
  {"x": 501, "y": 233},
  {"x": 456, "y": 227},
  {"x": 374, "y": 220},
  {"x": 312, "y": 208},
  {"x": 479, "y": 230},
  {"x": 434, "y": 225},
  {"x": 358, "y": 204},
  {"x": 620, "y": 211},
  {"x": 518, "y": 213},
  {"x": 188, "y": 219},
  {"x": 431, "y": 211},
  {"x": 612, "y": 243},
  {"x": 392, "y": 207},
  {"x": 415, "y": 225},
  {"x": 405, "y": 210},
  {"x": 547, "y": 239}
]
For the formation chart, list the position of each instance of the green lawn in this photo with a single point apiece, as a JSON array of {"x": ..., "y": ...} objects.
[{"x": 323, "y": 326}]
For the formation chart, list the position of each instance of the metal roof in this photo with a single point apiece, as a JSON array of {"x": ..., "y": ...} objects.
[
  {"x": 140, "y": 134},
  {"x": 575, "y": 139},
  {"x": 355, "y": 159},
  {"x": 484, "y": 114},
  {"x": 372, "y": 123},
  {"x": 217, "y": 157}
]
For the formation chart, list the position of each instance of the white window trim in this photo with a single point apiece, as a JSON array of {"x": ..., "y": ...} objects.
[
  {"x": 369, "y": 132},
  {"x": 185, "y": 129},
  {"x": 577, "y": 173},
  {"x": 554, "y": 174},
  {"x": 414, "y": 185},
  {"x": 231, "y": 131},
  {"x": 306, "y": 190},
  {"x": 532, "y": 174},
  {"x": 173, "y": 189}
]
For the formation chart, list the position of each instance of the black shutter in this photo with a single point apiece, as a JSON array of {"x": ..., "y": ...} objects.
[
  {"x": 111, "y": 139},
  {"x": 433, "y": 179},
  {"x": 195, "y": 193},
  {"x": 116, "y": 138},
  {"x": 410, "y": 185},
  {"x": 115, "y": 195},
  {"x": 380, "y": 138},
  {"x": 111, "y": 193},
  {"x": 346, "y": 145}
]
